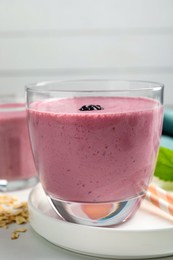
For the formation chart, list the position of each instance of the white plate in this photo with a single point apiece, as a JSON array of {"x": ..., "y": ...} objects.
[{"x": 147, "y": 234}]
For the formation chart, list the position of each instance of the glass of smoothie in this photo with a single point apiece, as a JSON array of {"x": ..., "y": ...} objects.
[
  {"x": 95, "y": 144},
  {"x": 17, "y": 168}
]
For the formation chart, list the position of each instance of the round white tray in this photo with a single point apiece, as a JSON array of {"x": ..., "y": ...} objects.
[{"x": 148, "y": 234}]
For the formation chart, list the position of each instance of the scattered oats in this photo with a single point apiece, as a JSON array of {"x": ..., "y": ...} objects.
[
  {"x": 7, "y": 200},
  {"x": 1, "y": 207},
  {"x": 20, "y": 205},
  {"x": 20, "y": 220},
  {"x": 13, "y": 211},
  {"x": 3, "y": 224},
  {"x": 21, "y": 230},
  {"x": 15, "y": 235}
]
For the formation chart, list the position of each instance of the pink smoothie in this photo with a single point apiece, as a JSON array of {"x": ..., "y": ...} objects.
[
  {"x": 95, "y": 156},
  {"x": 16, "y": 160}
]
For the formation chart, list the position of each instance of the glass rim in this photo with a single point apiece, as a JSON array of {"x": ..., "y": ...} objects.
[{"x": 40, "y": 87}]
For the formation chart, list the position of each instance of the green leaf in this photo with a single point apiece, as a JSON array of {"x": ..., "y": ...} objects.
[{"x": 164, "y": 166}]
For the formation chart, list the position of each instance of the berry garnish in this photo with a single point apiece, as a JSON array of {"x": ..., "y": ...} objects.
[{"x": 91, "y": 107}]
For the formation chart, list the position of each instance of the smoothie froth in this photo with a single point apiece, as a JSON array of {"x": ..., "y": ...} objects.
[{"x": 95, "y": 156}]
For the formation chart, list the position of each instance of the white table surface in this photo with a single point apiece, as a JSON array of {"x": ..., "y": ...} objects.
[{"x": 32, "y": 246}]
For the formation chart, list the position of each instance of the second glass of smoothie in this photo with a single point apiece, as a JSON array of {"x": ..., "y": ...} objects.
[
  {"x": 95, "y": 144},
  {"x": 17, "y": 168}
]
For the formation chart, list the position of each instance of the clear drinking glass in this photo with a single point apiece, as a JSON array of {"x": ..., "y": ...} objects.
[
  {"x": 95, "y": 144},
  {"x": 17, "y": 169}
]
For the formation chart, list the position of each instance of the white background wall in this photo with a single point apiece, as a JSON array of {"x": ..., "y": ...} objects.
[{"x": 52, "y": 39}]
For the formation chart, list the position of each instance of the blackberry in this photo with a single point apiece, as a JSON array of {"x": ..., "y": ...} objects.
[{"x": 91, "y": 107}]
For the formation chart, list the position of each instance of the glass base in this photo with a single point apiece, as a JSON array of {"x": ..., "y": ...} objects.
[
  {"x": 6, "y": 185},
  {"x": 96, "y": 214}
]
